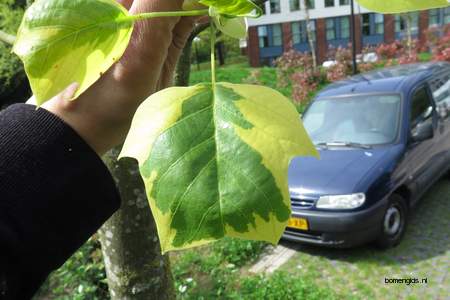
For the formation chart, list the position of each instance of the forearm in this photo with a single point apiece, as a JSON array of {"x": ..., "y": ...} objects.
[{"x": 55, "y": 193}]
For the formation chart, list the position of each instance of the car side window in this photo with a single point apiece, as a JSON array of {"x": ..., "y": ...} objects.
[
  {"x": 421, "y": 109},
  {"x": 440, "y": 87}
]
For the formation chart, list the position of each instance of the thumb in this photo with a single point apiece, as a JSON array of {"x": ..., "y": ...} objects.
[{"x": 64, "y": 97}]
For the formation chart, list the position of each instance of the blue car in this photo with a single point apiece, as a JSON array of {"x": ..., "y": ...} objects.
[{"x": 384, "y": 139}]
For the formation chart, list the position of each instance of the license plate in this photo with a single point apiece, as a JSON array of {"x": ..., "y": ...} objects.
[{"x": 298, "y": 223}]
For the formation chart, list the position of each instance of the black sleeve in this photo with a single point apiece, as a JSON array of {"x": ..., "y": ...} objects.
[{"x": 55, "y": 192}]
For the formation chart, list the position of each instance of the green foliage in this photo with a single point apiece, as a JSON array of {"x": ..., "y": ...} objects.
[
  {"x": 238, "y": 252},
  {"x": 81, "y": 277},
  {"x": 11, "y": 71},
  {"x": 212, "y": 271},
  {"x": 218, "y": 271},
  {"x": 281, "y": 285}
]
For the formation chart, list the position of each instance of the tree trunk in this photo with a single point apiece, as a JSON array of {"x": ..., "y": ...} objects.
[
  {"x": 7, "y": 38},
  {"x": 221, "y": 53},
  {"x": 310, "y": 34},
  {"x": 407, "y": 17},
  {"x": 132, "y": 255},
  {"x": 183, "y": 70}
]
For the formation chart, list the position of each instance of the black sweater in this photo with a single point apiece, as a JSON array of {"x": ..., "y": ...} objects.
[{"x": 55, "y": 192}]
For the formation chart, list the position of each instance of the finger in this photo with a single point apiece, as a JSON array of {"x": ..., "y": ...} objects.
[
  {"x": 126, "y": 3},
  {"x": 180, "y": 35},
  {"x": 31, "y": 101},
  {"x": 149, "y": 44},
  {"x": 62, "y": 99},
  {"x": 154, "y": 34}
]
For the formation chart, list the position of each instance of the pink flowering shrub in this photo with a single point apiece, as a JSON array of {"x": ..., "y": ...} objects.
[
  {"x": 389, "y": 51},
  {"x": 289, "y": 63},
  {"x": 343, "y": 63},
  {"x": 397, "y": 52},
  {"x": 439, "y": 42},
  {"x": 297, "y": 69}
]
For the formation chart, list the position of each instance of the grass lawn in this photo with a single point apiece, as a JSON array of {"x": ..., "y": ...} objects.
[{"x": 238, "y": 74}]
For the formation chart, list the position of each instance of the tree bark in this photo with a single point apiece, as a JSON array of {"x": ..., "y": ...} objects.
[
  {"x": 134, "y": 265},
  {"x": 220, "y": 53},
  {"x": 183, "y": 70},
  {"x": 310, "y": 35},
  {"x": 407, "y": 17},
  {"x": 7, "y": 38}
]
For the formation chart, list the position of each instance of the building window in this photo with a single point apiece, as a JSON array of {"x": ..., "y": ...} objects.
[
  {"x": 400, "y": 22},
  {"x": 379, "y": 23},
  {"x": 344, "y": 2},
  {"x": 270, "y": 36},
  {"x": 447, "y": 15},
  {"x": 277, "y": 36},
  {"x": 366, "y": 24},
  {"x": 337, "y": 28},
  {"x": 275, "y": 6},
  {"x": 310, "y": 4},
  {"x": 294, "y": 5},
  {"x": 297, "y": 33},
  {"x": 329, "y": 3},
  {"x": 433, "y": 17},
  {"x": 345, "y": 27},
  {"x": 300, "y": 33},
  {"x": 263, "y": 37},
  {"x": 372, "y": 24},
  {"x": 331, "y": 30}
]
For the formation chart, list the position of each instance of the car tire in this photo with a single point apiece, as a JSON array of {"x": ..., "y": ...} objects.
[{"x": 394, "y": 223}]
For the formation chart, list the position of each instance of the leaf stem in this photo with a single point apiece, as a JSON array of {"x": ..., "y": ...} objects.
[
  {"x": 213, "y": 54},
  {"x": 181, "y": 13}
]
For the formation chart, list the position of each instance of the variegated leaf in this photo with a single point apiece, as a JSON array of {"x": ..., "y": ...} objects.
[
  {"x": 65, "y": 41},
  {"x": 401, "y": 6},
  {"x": 214, "y": 161}
]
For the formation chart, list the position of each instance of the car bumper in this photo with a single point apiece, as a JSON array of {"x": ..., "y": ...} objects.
[{"x": 339, "y": 229}]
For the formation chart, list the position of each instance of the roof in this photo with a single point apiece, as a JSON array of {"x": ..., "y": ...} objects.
[{"x": 393, "y": 79}]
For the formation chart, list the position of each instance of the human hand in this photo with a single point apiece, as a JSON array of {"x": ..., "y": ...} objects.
[{"x": 102, "y": 115}]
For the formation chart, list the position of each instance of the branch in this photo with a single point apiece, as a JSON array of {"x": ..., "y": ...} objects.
[
  {"x": 259, "y": 2},
  {"x": 7, "y": 38}
]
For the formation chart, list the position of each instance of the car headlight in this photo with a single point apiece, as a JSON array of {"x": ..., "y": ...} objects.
[{"x": 341, "y": 201}]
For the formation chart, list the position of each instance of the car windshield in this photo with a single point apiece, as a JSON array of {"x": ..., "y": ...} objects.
[{"x": 353, "y": 120}]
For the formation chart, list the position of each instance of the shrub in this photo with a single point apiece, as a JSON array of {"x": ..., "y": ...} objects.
[
  {"x": 83, "y": 276},
  {"x": 397, "y": 52},
  {"x": 292, "y": 62},
  {"x": 304, "y": 84},
  {"x": 389, "y": 51},
  {"x": 439, "y": 42},
  {"x": 11, "y": 70},
  {"x": 296, "y": 69},
  {"x": 281, "y": 285},
  {"x": 343, "y": 63}
]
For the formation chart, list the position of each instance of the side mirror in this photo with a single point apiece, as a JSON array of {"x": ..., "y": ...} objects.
[{"x": 423, "y": 131}]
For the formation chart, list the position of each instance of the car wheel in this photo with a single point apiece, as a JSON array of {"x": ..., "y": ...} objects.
[{"x": 394, "y": 223}]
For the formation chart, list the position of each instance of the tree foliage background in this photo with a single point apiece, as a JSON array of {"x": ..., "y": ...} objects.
[{"x": 13, "y": 83}]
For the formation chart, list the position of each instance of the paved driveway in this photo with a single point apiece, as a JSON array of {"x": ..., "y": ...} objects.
[{"x": 360, "y": 273}]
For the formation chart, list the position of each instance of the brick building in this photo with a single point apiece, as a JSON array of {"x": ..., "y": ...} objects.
[{"x": 283, "y": 27}]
